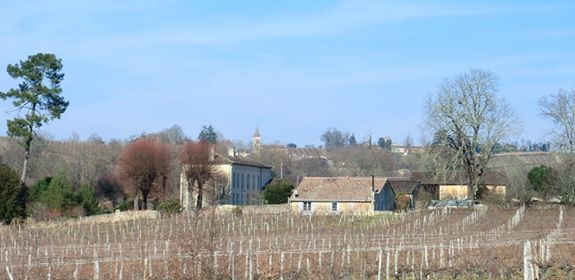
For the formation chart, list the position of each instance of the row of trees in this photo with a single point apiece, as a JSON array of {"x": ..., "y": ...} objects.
[
  {"x": 144, "y": 165},
  {"x": 334, "y": 138},
  {"x": 48, "y": 198},
  {"x": 466, "y": 117}
]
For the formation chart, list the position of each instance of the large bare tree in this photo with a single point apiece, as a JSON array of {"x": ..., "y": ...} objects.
[
  {"x": 468, "y": 120},
  {"x": 560, "y": 109},
  {"x": 198, "y": 164}
]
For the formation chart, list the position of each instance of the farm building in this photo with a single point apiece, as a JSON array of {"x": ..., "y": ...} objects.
[
  {"x": 238, "y": 178},
  {"x": 455, "y": 187},
  {"x": 335, "y": 195},
  {"x": 349, "y": 195},
  {"x": 397, "y": 191}
]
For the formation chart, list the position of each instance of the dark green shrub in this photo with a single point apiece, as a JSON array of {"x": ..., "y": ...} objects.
[
  {"x": 125, "y": 205},
  {"x": 278, "y": 192},
  {"x": 542, "y": 179},
  {"x": 12, "y": 195},
  {"x": 38, "y": 189},
  {"x": 56, "y": 193},
  {"x": 86, "y": 198},
  {"x": 59, "y": 194},
  {"x": 170, "y": 206}
]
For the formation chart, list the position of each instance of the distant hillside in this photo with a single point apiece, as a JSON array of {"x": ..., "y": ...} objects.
[
  {"x": 84, "y": 162},
  {"x": 526, "y": 160}
]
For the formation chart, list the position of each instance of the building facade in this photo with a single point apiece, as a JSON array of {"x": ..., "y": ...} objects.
[
  {"x": 397, "y": 191},
  {"x": 335, "y": 195},
  {"x": 454, "y": 187},
  {"x": 239, "y": 181}
]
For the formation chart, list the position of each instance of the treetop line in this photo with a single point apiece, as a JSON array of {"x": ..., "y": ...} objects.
[{"x": 467, "y": 119}]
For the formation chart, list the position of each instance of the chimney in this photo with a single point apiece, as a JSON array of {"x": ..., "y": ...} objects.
[
  {"x": 372, "y": 183},
  {"x": 232, "y": 151}
]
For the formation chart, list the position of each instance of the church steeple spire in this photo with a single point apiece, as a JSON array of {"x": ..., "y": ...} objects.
[{"x": 256, "y": 142}]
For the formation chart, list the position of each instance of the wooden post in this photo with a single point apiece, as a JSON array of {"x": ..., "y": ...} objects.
[
  {"x": 28, "y": 266},
  {"x": 387, "y": 261},
  {"x": 10, "y": 276},
  {"x": 75, "y": 274},
  {"x": 282, "y": 258},
  {"x": 145, "y": 268},
  {"x": 96, "y": 266},
  {"x": 121, "y": 274},
  {"x": 232, "y": 265},
  {"x": 425, "y": 259},
  {"x": 527, "y": 262},
  {"x": 251, "y": 266},
  {"x": 319, "y": 261},
  {"x": 215, "y": 264},
  {"x": 379, "y": 256},
  {"x": 396, "y": 262}
]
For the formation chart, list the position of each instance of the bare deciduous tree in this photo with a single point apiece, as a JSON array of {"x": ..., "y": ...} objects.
[
  {"x": 140, "y": 166},
  {"x": 560, "y": 109},
  {"x": 218, "y": 189},
  {"x": 565, "y": 183},
  {"x": 198, "y": 163},
  {"x": 468, "y": 120},
  {"x": 334, "y": 138},
  {"x": 164, "y": 164}
]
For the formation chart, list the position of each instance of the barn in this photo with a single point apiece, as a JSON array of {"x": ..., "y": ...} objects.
[
  {"x": 397, "y": 191},
  {"x": 454, "y": 187}
]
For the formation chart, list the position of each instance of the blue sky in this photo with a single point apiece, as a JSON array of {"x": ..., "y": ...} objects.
[{"x": 291, "y": 68}]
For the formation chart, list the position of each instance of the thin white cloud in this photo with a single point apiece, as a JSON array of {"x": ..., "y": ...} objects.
[{"x": 345, "y": 17}]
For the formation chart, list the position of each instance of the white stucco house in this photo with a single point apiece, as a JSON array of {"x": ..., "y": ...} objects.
[{"x": 242, "y": 180}]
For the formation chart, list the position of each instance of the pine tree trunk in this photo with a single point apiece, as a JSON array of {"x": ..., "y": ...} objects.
[{"x": 25, "y": 168}]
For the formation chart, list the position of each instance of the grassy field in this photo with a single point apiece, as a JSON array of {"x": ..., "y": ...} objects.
[{"x": 484, "y": 243}]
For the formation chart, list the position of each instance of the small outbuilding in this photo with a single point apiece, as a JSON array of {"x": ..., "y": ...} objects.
[
  {"x": 397, "y": 193},
  {"x": 454, "y": 187},
  {"x": 353, "y": 195},
  {"x": 335, "y": 195}
]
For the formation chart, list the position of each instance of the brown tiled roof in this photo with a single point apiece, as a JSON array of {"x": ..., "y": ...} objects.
[
  {"x": 336, "y": 189},
  {"x": 490, "y": 177},
  {"x": 403, "y": 185},
  {"x": 227, "y": 159}
]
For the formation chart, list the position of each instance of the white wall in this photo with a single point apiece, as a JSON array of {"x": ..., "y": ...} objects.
[
  {"x": 243, "y": 192},
  {"x": 247, "y": 183}
]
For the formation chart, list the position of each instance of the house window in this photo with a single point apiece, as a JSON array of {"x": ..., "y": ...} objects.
[
  {"x": 254, "y": 182},
  {"x": 248, "y": 182},
  {"x": 242, "y": 182},
  {"x": 307, "y": 206},
  {"x": 334, "y": 207}
]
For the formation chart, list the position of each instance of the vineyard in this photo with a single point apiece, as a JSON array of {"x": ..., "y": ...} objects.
[{"x": 483, "y": 243}]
